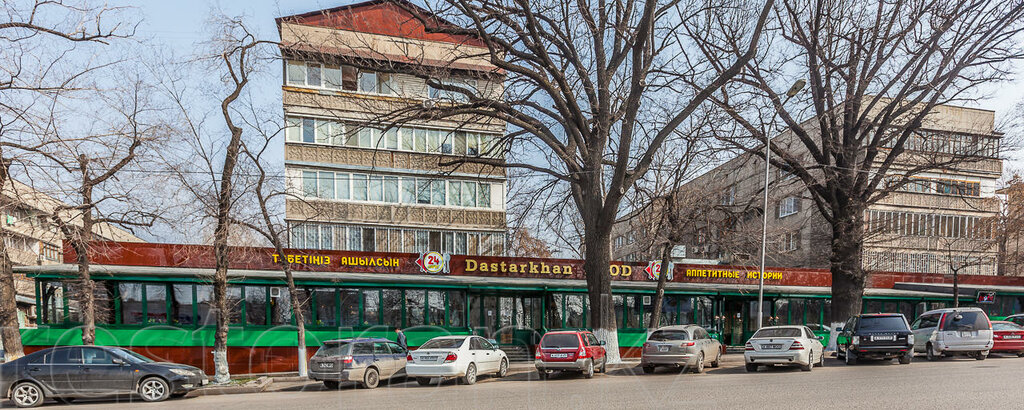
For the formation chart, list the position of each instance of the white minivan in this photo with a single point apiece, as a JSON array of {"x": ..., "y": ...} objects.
[{"x": 954, "y": 331}]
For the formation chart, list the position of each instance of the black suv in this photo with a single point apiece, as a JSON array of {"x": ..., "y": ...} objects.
[{"x": 876, "y": 336}]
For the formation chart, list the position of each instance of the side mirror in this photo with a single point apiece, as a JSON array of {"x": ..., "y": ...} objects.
[
  {"x": 839, "y": 329},
  {"x": 821, "y": 338},
  {"x": 601, "y": 342},
  {"x": 117, "y": 361}
]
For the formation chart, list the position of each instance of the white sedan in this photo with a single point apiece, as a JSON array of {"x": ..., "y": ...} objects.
[
  {"x": 784, "y": 345},
  {"x": 464, "y": 357}
]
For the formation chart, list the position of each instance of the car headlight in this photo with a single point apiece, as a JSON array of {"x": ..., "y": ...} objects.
[
  {"x": 910, "y": 339},
  {"x": 183, "y": 372},
  {"x": 856, "y": 340}
]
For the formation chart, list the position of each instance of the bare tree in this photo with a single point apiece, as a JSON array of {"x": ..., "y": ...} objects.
[
  {"x": 876, "y": 71},
  {"x": 39, "y": 40},
  {"x": 1009, "y": 228},
  {"x": 594, "y": 89}
]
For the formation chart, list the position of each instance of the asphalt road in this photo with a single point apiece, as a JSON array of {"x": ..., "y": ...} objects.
[{"x": 996, "y": 383}]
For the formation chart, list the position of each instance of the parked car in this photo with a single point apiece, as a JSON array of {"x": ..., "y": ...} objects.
[
  {"x": 876, "y": 336},
  {"x": 1018, "y": 319},
  {"x": 953, "y": 331},
  {"x": 784, "y": 345},
  {"x": 570, "y": 350},
  {"x": 69, "y": 372},
  {"x": 1007, "y": 337},
  {"x": 465, "y": 357},
  {"x": 366, "y": 361},
  {"x": 687, "y": 346}
]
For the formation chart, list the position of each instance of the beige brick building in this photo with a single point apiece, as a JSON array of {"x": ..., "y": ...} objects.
[
  {"x": 31, "y": 238},
  {"x": 360, "y": 180},
  {"x": 939, "y": 223}
]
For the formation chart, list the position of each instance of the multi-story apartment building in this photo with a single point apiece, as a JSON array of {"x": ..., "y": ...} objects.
[
  {"x": 366, "y": 177},
  {"x": 31, "y": 237},
  {"x": 939, "y": 223}
]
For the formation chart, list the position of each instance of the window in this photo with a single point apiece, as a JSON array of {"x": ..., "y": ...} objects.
[
  {"x": 359, "y": 187},
  {"x": 391, "y": 189},
  {"x": 371, "y": 308},
  {"x": 435, "y": 308},
  {"x": 325, "y": 314},
  {"x": 484, "y": 197},
  {"x": 408, "y": 191},
  {"x": 296, "y": 73},
  {"x": 308, "y": 130},
  {"x": 349, "y": 307},
  {"x": 789, "y": 206},
  {"x": 791, "y": 241},
  {"x": 256, "y": 305},
  {"x": 456, "y": 308},
  {"x": 376, "y": 188},
  {"x": 729, "y": 196},
  {"x": 368, "y": 82},
  {"x": 325, "y": 185},
  {"x": 332, "y": 77},
  {"x": 131, "y": 303},
  {"x": 181, "y": 304},
  {"x": 156, "y": 303},
  {"x": 392, "y": 307}
]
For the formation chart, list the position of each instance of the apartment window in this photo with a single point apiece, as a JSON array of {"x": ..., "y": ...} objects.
[
  {"x": 368, "y": 81},
  {"x": 463, "y": 85},
  {"x": 729, "y": 196},
  {"x": 376, "y": 188},
  {"x": 358, "y": 187},
  {"x": 391, "y": 189},
  {"x": 296, "y": 73},
  {"x": 791, "y": 241},
  {"x": 484, "y": 191},
  {"x": 789, "y": 206}
]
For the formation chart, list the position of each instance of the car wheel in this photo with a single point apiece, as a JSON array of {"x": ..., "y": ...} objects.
[
  {"x": 649, "y": 369},
  {"x": 588, "y": 369},
  {"x": 821, "y": 359},
  {"x": 331, "y": 384},
  {"x": 27, "y": 394},
  {"x": 718, "y": 360},
  {"x": 751, "y": 367},
  {"x": 810, "y": 362},
  {"x": 1021, "y": 354},
  {"x": 699, "y": 368},
  {"x": 604, "y": 365},
  {"x": 981, "y": 356},
  {"x": 930, "y": 353},
  {"x": 154, "y": 389},
  {"x": 470, "y": 377},
  {"x": 849, "y": 358},
  {"x": 906, "y": 358},
  {"x": 503, "y": 368},
  {"x": 371, "y": 378},
  {"x": 423, "y": 381}
]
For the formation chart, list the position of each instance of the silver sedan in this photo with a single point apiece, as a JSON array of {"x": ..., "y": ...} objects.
[{"x": 687, "y": 346}]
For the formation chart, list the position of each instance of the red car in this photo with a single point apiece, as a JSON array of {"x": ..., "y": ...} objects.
[
  {"x": 1007, "y": 337},
  {"x": 576, "y": 351}
]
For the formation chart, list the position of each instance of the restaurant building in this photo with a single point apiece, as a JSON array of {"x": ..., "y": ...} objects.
[{"x": 162, "y": 300}]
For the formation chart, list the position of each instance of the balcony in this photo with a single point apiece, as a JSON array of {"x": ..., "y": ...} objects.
[
  {"x": 940, "y": 202},
  {"x": 371, "y": 158}
]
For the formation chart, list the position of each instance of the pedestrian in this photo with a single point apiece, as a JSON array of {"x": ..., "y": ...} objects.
[{"x": 401, "y": 338}]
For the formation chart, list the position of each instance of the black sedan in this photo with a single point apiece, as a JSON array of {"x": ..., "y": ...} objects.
[{"x": 69, "y": 372}]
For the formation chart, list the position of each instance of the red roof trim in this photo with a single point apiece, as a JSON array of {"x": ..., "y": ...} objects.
[{"x": 384, "y": 17}]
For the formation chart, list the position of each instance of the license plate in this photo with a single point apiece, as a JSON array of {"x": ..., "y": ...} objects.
[
  {"x": 1012, "y": 337},
  {"x": 204, "y": 382},
  {"x": 428, "y": 358},
  {"x": 889, "y": 338},
  {"x": 663, "y": 348},
  {"x": 559, "y": 355},
  {"x": 326, "y": 365},
  {"x": 966, "y": 334},
  {"x": 771, "y": 347},
  {"x": 187, "y": 386}
]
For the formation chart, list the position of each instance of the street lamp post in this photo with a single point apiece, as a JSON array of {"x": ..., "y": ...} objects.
[{"x": 797, "y": 86}]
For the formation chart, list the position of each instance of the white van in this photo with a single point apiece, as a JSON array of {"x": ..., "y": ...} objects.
[{"x": 956, "y": 331}]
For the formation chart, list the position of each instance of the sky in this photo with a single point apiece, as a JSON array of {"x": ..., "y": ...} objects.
[{"x": 180, "y": 25}]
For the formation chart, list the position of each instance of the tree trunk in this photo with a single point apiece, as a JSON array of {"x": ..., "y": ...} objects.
[
  {"x": 596, "y": 265},
  {"x": 659, "y": 294},
  {"x": 956, "y": 288},
  {"x": 80, "y": 241},
  {"x": 10, "y": 336},
  {"x": 300, "y": 319},
  {"x": 220, "y": 247},
  {"x": 848, "y": 276}
]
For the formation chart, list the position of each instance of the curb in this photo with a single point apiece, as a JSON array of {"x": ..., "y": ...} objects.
[{"x": 257, "y": 386}]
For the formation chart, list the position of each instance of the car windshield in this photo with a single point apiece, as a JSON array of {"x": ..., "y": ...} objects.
[
  {"x": 882, "y": 324},
  {"x": 777, "y": 332},
  {"x": 133, "y": 357},
  {"x": 1007, "y": 326},
  {"x": 965, "y": 321},
  {"x": 442, "y": 344},
  {"x": 333, "y": 349},
  {"x": 663, "y": 335},
  {"x": 560, "y": 340}
]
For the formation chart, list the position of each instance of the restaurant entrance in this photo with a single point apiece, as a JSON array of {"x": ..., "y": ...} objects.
[
  {"x": 739, "y": 319},
  {"x": 511, "y": 319}
]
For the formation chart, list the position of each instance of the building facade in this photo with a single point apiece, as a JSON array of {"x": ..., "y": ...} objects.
[
  {"x": 365, "y": 177},
  {"x": 31, "y": 238},
  {"x": 941, "y": 222},
  {"x": 162, "y": 300}
]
